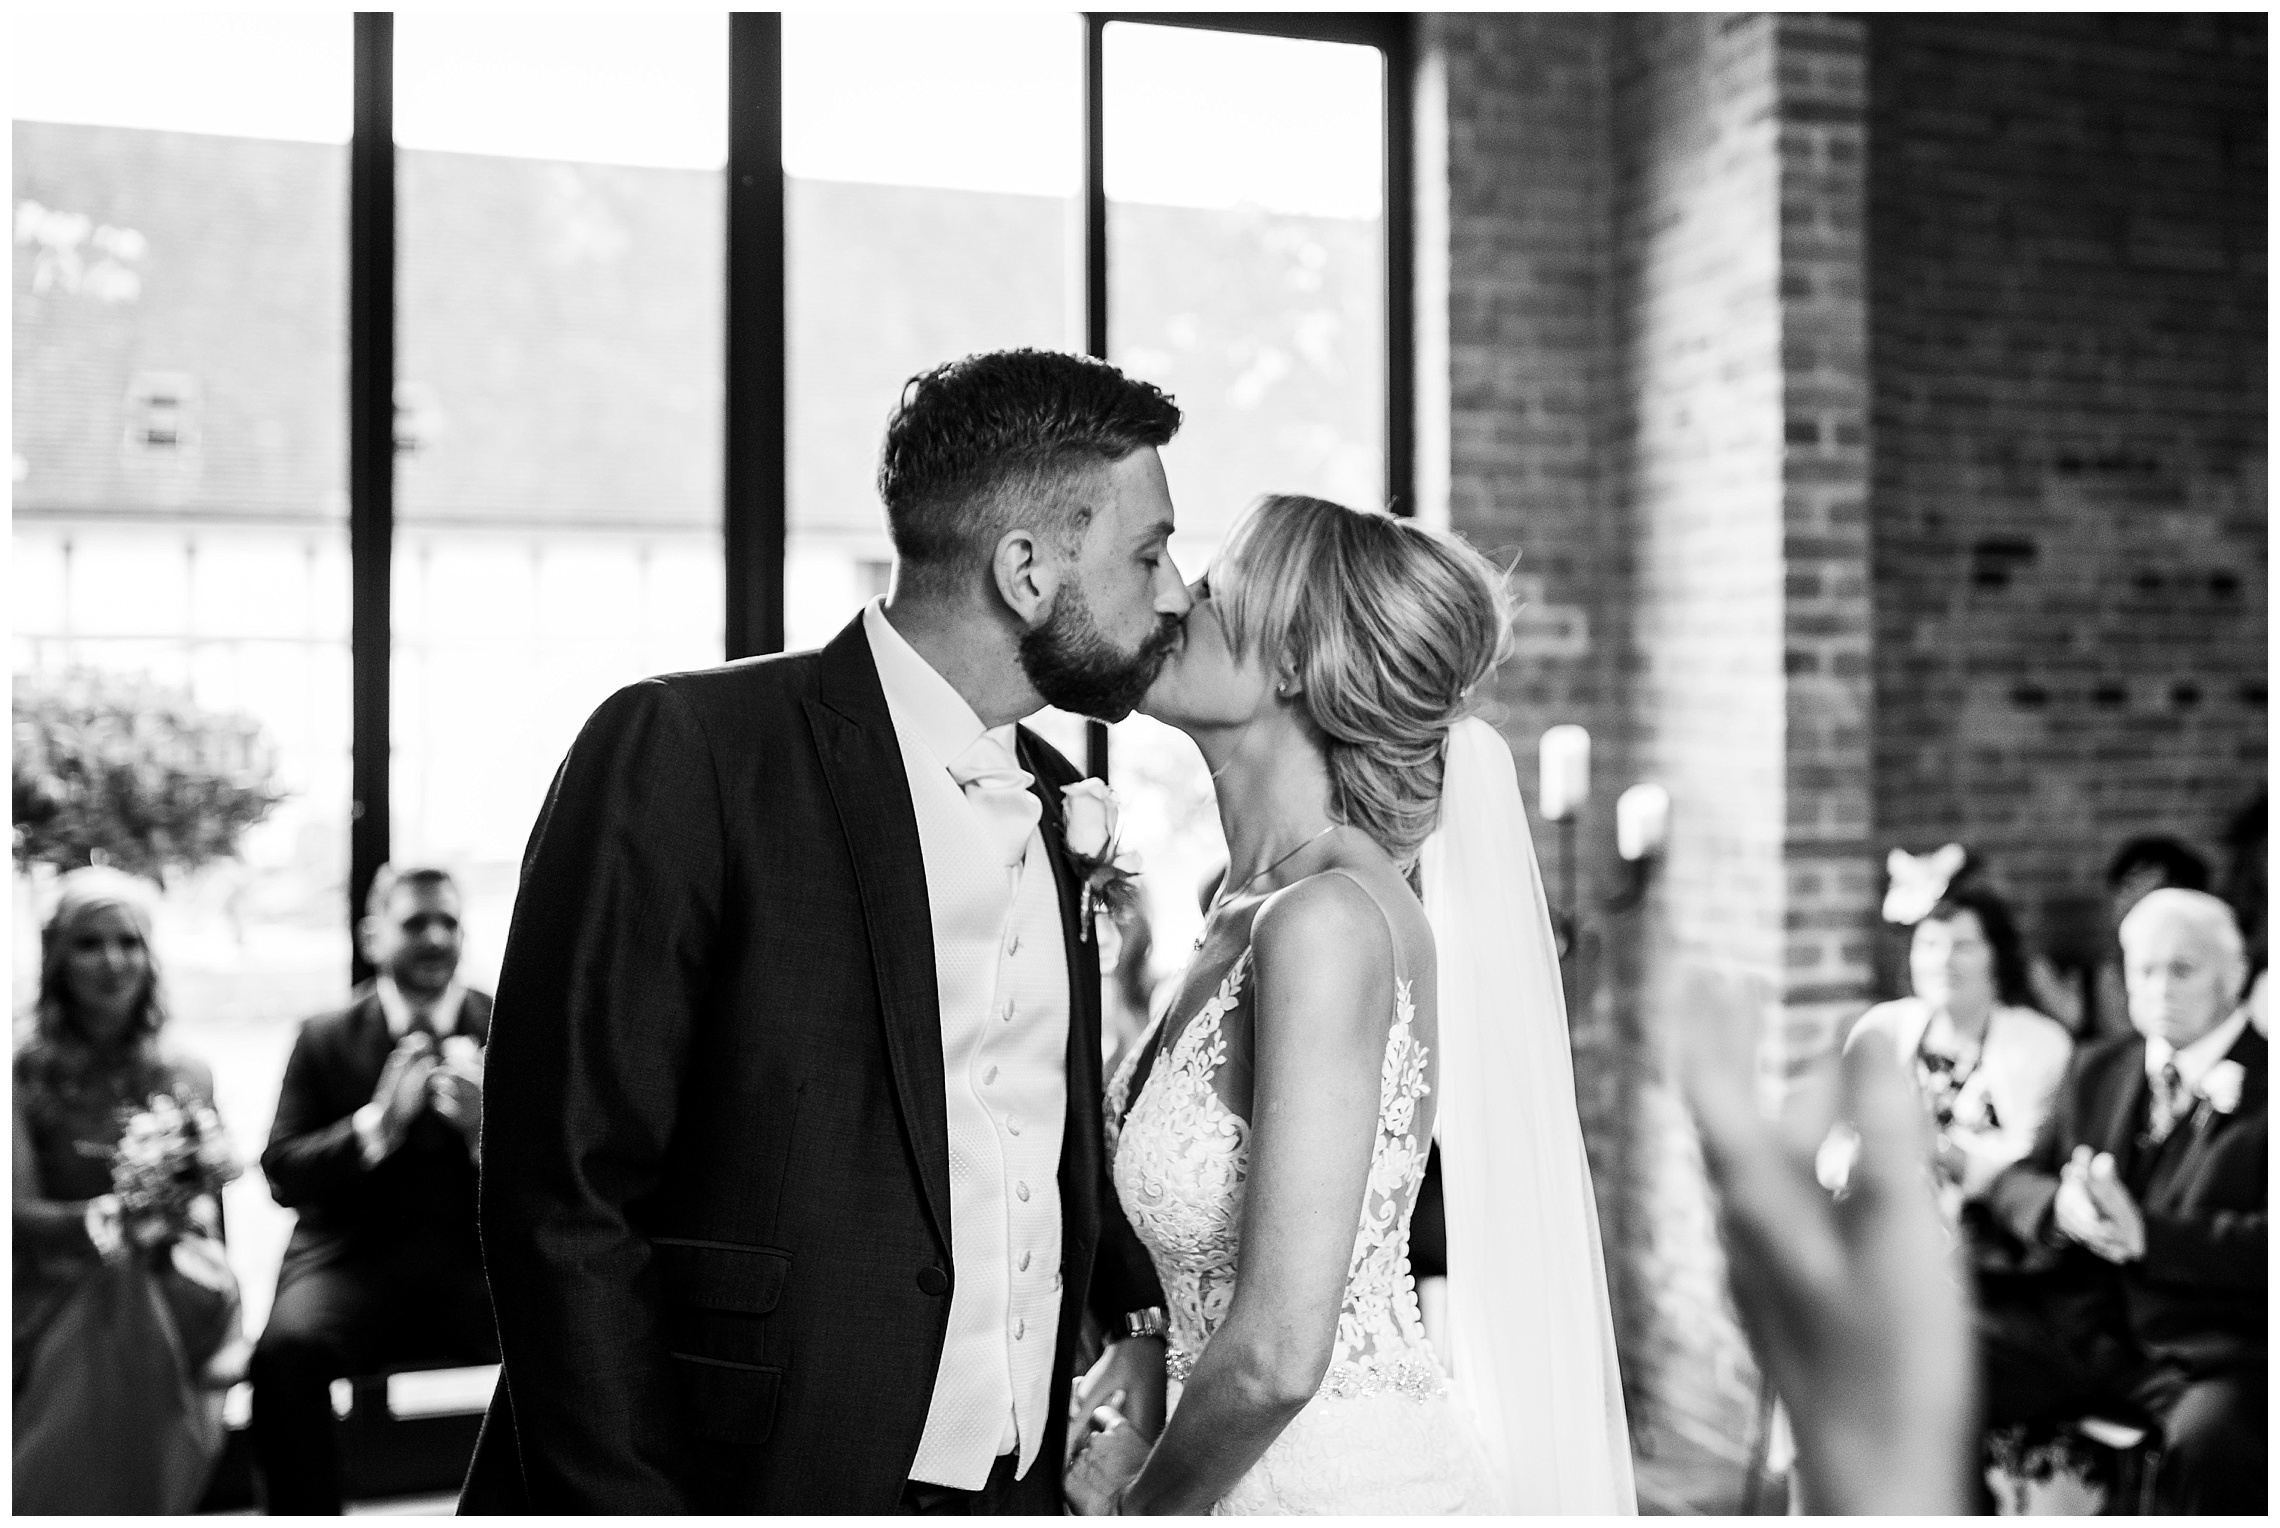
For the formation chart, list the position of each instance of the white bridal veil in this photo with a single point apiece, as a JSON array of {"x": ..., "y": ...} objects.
[{"x": 1532, "y": 1335}]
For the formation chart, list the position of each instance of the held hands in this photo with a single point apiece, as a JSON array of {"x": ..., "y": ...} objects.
[
  {"x": 2094, "y": 1208},
  {"x": 1109, "y": 1453},
  {"x": 1852, "y": 1305}
]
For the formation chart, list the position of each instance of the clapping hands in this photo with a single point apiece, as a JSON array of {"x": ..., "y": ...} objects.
[
  {"x": 420, "y": 1073},
  {"x": 402, "y": 1091},
  {"x": 456, "y": 1086},
  {"x": 2094, "y": 1208}
]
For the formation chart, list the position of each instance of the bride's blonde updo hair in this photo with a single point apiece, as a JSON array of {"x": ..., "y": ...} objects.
[{"x": 1389, "y": 627}]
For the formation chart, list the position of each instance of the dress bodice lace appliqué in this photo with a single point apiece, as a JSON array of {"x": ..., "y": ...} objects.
[{"x": 1181, "y": 1159}]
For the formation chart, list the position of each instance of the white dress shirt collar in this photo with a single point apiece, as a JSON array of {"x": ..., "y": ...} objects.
[
  {"x": 2193, "y": 1061},
  {"x": 443, "y": 1018},
  {"x": 917, "y": 693}
]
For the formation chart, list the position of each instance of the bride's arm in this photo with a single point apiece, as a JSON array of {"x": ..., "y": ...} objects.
[{"x": 1322, "y": 1006}]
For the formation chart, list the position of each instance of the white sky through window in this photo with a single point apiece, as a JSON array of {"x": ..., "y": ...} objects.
[{"x": 986, "y": 102}]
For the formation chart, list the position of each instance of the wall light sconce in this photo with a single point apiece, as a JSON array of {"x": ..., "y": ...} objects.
[{"x": 1642, "y": 824}]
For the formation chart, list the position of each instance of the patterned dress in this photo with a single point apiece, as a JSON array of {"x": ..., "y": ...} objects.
[{"x": 1383, "y": 1433}]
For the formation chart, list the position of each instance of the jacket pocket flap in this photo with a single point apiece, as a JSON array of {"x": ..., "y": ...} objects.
[
  {"x": 718, "y": 1276},
  {"x": 725, "y": 1402}
]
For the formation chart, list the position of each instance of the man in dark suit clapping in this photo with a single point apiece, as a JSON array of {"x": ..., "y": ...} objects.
[
  {"x": 2145, "y": 1199},
  {"x": 376, "y": 1143}
]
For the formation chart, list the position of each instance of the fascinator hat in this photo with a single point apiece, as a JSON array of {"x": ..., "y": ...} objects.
[{"x": 1918, "y": 881}]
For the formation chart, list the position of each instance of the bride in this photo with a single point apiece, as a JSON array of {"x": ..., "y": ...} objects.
[{"x": 1362, "y": 983}]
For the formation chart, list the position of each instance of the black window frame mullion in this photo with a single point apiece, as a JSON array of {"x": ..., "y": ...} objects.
[
  {"x": 1393, "y": 35},
  {"x": 371, "y": 456},
  {"x": 753, "y": 486}
]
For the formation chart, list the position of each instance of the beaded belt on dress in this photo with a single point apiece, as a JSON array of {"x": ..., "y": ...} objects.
[{"x": 1404, "y": 1374}]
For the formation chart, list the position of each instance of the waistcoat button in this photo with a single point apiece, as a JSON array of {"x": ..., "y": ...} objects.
[{"x": 933, "y": 1281}]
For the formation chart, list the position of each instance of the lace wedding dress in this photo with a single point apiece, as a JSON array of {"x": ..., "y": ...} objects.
[{"x": 1384, "y": 1433}]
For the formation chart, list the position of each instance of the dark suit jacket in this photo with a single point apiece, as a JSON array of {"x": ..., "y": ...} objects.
[
  {"x": 716, "y": 1168},
  {"x": 2196, "y": 1300},
  {"x": 423, "y": 1191}
]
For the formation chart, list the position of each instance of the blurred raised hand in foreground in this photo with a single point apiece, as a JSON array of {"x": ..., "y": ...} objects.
[{"x": 1854, "y": 1304}]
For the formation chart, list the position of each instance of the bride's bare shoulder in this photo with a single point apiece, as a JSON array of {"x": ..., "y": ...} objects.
[{"x": 1327, "y": 944}]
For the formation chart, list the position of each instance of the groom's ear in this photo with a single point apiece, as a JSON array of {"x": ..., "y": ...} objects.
[{"x": 1025, "y": 576}]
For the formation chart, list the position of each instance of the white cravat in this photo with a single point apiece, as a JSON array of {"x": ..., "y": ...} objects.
[
  {"x": 1002, "y": 988},
  {"x": 997, "y": 788}
]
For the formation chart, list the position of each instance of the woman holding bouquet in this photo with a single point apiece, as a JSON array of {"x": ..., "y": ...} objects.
[{"x": 126, "y": 1316}]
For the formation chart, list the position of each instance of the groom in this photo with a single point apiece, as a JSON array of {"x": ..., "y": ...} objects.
[{"x": 793, "y": 1190}]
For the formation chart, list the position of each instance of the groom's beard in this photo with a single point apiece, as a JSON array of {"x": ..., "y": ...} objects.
[{"x": 1075, "y": 666}]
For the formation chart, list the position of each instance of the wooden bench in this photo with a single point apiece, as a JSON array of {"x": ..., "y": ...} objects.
[{"x": 404, "y": 1432}]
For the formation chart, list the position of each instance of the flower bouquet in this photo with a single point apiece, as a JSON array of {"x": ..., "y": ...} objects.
[{"x": 170, "y": 1155}]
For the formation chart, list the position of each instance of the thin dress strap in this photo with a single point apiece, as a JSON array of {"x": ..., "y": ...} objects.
[{"x": 1392, "y": 934}]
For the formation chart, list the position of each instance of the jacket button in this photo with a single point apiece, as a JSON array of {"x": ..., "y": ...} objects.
[{"x": 933, "y": 1281}]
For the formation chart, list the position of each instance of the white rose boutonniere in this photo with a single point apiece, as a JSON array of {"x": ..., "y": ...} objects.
[
  {"x": 1088, "y": 831},
  {"x": 2220, "y": 1085},
  {"x": 1089, "y": 812}
]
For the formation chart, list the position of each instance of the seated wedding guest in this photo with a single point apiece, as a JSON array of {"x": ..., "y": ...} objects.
[
  {"x": 2146, "y": 1194},
  {"x": 2144, "y": 864},
  {"x": 126, "y": 1315},
  {"x": 1985, "y": 1063},
  {"x": 1854, "y": 1308},
  {"x": 376, "y": 1144}
]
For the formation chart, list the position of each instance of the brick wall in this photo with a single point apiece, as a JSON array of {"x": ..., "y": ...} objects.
[
  {"x": 1876, "y": 408},
  {"x": 2069, "y": 277},
  {"x": 1657, "y": 395},
  {"x": 1696, "y": 420},
  {"x": 1512, "y": 220},
  {"x": 1830, "y": 891}
]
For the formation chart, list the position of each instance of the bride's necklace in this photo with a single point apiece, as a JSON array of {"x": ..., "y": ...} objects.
[{"x": 1228, "y": 894}]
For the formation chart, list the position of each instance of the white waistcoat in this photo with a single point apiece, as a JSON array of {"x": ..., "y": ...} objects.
[{"x": 1003, "y": 986}]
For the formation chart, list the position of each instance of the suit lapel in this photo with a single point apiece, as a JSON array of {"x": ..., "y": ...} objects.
[
  {"x": 2205, "y": 1125},
  {"x": 863, "y": 766},
  {"x": 1080, "y": 1136},
  {"x": 368, "y": 1033}
]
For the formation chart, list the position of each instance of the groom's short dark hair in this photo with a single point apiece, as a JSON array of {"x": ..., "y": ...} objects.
[{"x": 980, "y": 445}]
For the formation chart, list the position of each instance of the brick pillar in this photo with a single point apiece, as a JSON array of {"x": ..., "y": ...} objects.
[
  {"x": 1512, "y": 324},
  {"x": 1699, "y": 401},
  {"x": 1648, "y": 369},
  {"x": 1831, "y": 880}
]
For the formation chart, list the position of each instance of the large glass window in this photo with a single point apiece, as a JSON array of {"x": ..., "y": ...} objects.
[
  {"x": 1246, "y": 275},
  {"x": 932, "y": 169},
  {"x": 180, "y": 408},
  {"x": 558, "y": 407},
  {"x": 179, "y": 517}
]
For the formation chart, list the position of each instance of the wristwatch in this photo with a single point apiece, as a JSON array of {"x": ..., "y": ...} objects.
[{"x": 1146, "y": 1323}]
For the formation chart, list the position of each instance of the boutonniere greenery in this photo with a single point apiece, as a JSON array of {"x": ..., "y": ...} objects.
[
  {"x": 2220, "y": 1086},
  {"x": 1088, "y": 832}
]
